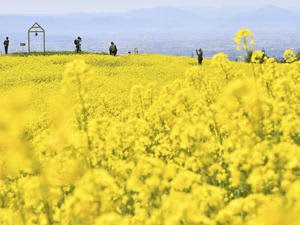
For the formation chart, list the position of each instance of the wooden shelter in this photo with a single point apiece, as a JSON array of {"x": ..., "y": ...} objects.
[{"x": 36, "y": 28}]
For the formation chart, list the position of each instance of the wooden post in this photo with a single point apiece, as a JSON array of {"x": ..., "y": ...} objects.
[
  {"x": 44, "y": 40},
  {"x": 28, "y": 41}
]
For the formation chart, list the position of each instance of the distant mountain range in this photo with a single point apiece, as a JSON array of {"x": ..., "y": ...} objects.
[
  {"x": 157, "y": 24},
  {"x": 161, "y": 18}
]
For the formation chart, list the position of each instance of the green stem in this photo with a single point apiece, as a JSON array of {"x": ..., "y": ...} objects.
[{"x": 226, "y": 74}]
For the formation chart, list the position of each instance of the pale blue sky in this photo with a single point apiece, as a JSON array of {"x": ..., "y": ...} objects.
[{"x": 92, "y": 6}]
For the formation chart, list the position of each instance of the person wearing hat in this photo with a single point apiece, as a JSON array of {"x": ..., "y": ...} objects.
[{"x": 199, "y": 53}]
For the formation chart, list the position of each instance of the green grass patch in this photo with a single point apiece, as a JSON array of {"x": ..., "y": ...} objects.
[{"x": 24, "y": 54}]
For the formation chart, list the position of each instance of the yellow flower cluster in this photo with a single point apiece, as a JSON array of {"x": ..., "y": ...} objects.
[
  {"x": 153, "y": 140},
  {"x": 289, "y": 56},
  {"x": 257, "y": 56},
  {"x": 242, "y": 37}
]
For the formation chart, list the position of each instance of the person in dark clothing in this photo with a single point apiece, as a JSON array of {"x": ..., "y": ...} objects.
[
  {"x": 6, "y": 44},
  {"x": 77, "y": 43},
  {"x": 113, "y": 49},
  {"x": 262, "y": 59},
  {"x": 199, "y": 53}
]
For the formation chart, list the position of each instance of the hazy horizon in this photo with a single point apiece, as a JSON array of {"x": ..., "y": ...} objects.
[
  {"x": 160, "y": 29},
  {"x": 115, "y": 6}
]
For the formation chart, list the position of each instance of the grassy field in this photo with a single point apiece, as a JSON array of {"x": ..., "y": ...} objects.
[
  {"x": 148, "y": 139},
  {"x": 54, "y": 53}
]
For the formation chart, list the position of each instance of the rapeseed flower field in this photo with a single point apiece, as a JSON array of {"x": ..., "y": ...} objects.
[{"x": 149, "y": 139}]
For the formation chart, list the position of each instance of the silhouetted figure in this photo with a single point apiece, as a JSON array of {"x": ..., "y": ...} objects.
[
  {"x": 136, "y": 51},
  {"x": 6, "y": 44},
  {"x": 77, "y": 43},
  {"x": 262, "y": 59},
  {"x": 113, "y": 49},
  {"x": 199, "y": 53}
]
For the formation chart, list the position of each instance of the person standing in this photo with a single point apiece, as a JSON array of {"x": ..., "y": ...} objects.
[
  {"x": 77, "y": 43},
  {"x": 263, "y": 57},
  {"x": 113, "y": 49},
  {"x": 6, "y": 44},
  {"x": 199, "y": 53}
]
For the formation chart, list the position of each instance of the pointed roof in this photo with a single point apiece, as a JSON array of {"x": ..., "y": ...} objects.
[{"x": 36, "y": 26}]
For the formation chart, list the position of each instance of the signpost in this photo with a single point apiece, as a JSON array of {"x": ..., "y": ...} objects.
[
  {"x": 23, "y": 45},
  {"x": 36, "y": 28}
]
